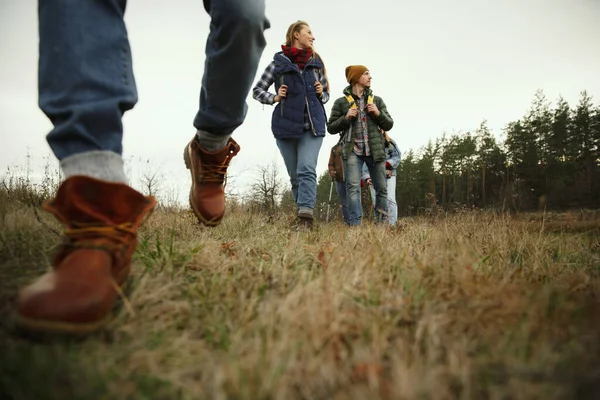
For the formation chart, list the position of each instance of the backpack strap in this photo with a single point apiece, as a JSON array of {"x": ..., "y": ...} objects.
[{"x": 352, "y": 102}]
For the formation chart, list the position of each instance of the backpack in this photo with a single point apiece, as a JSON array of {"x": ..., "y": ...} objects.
[{"x": 338, "y": 162}]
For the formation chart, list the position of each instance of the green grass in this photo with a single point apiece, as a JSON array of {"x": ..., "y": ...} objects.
[{"x": 472, "y": 306}]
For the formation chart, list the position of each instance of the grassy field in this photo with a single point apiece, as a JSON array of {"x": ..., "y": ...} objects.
[{"x": 469, "y": 306}]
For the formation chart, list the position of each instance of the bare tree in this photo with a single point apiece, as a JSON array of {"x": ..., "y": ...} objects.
[
  {"x": 267, "y": 188},
  {"x": 151, "y": 179},
  {"x": 231, "y": 183}
]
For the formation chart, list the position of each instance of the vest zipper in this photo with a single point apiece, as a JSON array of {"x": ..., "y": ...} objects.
[
  {"x": 307, "y": 106},
  {"x": 310, "y": 117},
  {"x": 282, "y": 101}
]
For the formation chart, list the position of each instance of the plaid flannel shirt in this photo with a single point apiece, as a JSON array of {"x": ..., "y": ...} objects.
[
  {"x": 361, "y": 130},
  {"x": 262, "y": 94}
]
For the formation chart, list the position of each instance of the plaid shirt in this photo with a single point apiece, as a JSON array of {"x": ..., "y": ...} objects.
[
  {"x": 261, "y": 90},
  {"x": 361, "y": 130}
]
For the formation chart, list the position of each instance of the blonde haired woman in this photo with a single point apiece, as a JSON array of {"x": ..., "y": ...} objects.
[{"x": 299, "y": 120}]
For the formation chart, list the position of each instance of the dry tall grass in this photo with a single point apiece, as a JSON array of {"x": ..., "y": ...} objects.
[{"x": 473, "y": 306}]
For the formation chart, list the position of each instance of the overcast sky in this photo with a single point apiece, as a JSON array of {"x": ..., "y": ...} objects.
[{"x": 439, "y": 65}]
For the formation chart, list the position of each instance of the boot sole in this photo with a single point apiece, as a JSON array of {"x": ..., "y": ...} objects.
[
  {"x": 40, "y": 329},
  {"x": 188, "y": 165}
]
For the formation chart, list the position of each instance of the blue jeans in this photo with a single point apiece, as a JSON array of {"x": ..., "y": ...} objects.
[
  {"x": 392, "y": 206},
  {"x": 340, "y": 188},
  {"x": 86, "y": 82},
  {"x": 300, "y": 158},
  {"x": 354, "y": 166}
]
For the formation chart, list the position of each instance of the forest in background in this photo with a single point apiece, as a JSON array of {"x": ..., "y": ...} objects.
[{"x": 547, "y": 160}]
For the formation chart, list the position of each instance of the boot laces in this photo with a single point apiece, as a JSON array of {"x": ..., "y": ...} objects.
[
  {"x": 215, "y": 173},
  {"x": 86, "y": 236}
]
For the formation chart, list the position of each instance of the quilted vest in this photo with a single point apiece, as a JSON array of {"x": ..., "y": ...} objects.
[{"x": 289, "y": 114}]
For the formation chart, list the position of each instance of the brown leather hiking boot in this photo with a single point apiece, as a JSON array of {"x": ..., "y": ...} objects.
[
  {"x": 101, "y": 221},
  {"x": 208, "y": 170}
]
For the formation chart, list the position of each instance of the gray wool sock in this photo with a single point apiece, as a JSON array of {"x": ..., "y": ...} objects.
[
  {"x": 212, "y": 142},
  {"x": 103, "y": 165}
]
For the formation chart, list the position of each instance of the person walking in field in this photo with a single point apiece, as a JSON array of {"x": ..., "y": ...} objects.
[
  {"x": 357, "y": 116},
  {"x": 299, "y": 120},
  {"x": 392, "y": 161},
  {"x": 86, "y": 84},
  {"x": 335, "y": 167}
]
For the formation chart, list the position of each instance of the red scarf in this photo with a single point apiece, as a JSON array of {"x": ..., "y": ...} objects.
[{"x": 298, "y": 56}]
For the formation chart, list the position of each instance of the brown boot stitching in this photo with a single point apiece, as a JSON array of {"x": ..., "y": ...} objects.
[{"x": 115, "y": 232}]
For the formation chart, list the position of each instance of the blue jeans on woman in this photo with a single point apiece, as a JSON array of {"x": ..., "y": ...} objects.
[
  {"x": 354, "y": 165},
  {"x": 300, "y": 157},
  {"x": 392, "y": 206},
  {"x": 86, "y": 80}
]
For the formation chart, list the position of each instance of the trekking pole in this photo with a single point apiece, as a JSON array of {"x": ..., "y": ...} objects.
[{"x": 329, "y": 202}]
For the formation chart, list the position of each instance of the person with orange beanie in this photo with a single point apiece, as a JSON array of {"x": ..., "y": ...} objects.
[{"x": 358, "y": 116}]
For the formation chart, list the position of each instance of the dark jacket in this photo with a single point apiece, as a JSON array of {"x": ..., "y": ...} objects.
[
  {"x": 288, "y": 116},
  {"x": 339, "y": 124}
]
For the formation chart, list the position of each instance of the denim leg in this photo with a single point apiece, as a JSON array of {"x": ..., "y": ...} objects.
[
  {"x": 392, "y": 206},
  {"x": 85, "y": 77},
  {"x": 233, "y": 50},
  {"x": 340, "y": 188},
  {"x": 353, "y": 172},
  {"x": 377, "y": 172},
  {"x": 309, "y": 146},
  {"x": 289, "y": 151}
]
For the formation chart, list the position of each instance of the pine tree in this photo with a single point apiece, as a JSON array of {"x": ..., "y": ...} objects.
[
  {"x": 584, "y": 135},
  {"x": 522, "y": 149},
  {"x": 486, "y": 145},
  {"x": 407, "y": 187},
  {"x": 426, "y": 175},
  {"x": 539, "y": 124},
  {"x": 561, "y": 155}
]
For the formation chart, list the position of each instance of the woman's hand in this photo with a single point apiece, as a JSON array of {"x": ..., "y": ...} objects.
[
  {"x": 281, "y": 93},
  {"x": 318, "y": 88}
]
